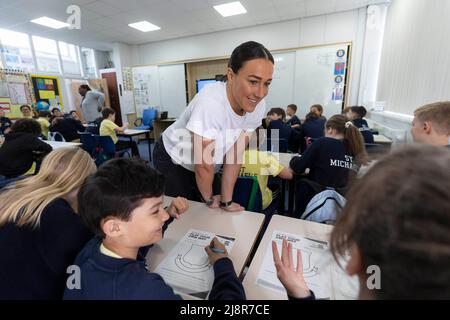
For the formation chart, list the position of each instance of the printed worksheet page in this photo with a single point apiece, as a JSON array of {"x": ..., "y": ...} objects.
[{"x": 186, "y": 268}]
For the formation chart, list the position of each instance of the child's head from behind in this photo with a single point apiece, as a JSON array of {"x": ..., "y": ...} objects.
[
  {"x": 398, "y": 218},
  {"x": 108, "y": 113},
  {"x": 26, "y": 125},
  {"x": 44, "y": 114},
  {"x": 123, "y": 202}
]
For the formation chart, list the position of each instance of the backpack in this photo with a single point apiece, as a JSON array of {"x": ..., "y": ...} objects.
[{"x": 324, "y": 207}]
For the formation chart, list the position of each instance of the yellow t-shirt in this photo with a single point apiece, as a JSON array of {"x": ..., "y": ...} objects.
[
  {"x": 107, "y": 129},
  {"x": 261, "y": 165},
  {"x": 44, "y": 125}
]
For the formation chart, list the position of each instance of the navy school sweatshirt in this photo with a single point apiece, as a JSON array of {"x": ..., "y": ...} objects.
[
  {"x": 108, "y": 278},
  {"x": 329, "y": 162},
  {"x": 363, "y": 127}
]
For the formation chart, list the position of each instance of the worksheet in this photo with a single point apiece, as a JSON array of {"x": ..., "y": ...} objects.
[
  {"x": 186, "y": 268},
  {"x": 316, "y": 264}
]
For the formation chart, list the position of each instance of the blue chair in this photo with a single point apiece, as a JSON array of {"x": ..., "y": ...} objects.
[
  {"x": 106, "y": 150},
  {"x": 248, "y": 194},
  {"x": 89, "y": 142},
  {"x": 146, "y": 122}
]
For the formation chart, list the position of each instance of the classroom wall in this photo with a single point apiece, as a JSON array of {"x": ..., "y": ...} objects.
[
  {"x": 348, "y": 26},
  {"x": 415, "y": 63}
]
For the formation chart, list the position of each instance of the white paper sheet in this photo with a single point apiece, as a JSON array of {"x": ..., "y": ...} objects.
[
  {"x": 316, "y": 266},
  {"x": 186, "y": 268}
]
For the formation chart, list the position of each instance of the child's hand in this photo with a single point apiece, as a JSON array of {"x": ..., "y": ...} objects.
[
  {"x": 219, "y": 247},
  {"x": 292, "y": 279},
  {"x": 177, "y": 207}
]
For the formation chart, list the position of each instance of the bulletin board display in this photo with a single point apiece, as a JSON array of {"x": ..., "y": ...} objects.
[
  {"x": 15, "y": 90},
  {"x": 47, "y": 88}
]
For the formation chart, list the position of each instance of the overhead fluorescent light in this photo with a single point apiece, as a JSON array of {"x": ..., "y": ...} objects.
[
  {"x": 144, "y": 26},
  {"x": 51, "y": 23},
  {"x": 230, "y": 9}
]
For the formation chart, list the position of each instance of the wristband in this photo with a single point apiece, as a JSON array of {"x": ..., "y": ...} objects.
[{"x": 226, "y": 204}]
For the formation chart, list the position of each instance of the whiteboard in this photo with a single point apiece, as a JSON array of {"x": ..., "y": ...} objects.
[
  {"x": 315, "y": 79},
  {"x": 160, "y": 87},
  {"x": 145, "y": 88},
  {"x": 172, "y": 85},
  {"x": 307, "y": 76},
  {"x": 281, "y": 90}
]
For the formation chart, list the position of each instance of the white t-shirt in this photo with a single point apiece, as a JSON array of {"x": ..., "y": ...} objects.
[{"x": 211, "y": 116}]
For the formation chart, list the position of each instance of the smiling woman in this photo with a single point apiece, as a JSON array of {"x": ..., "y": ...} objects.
[{"x": 213, "y": 130}]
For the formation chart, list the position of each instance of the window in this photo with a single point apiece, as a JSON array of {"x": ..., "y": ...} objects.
[
  {"x": 16, "y": 49},
  {"x": 87, "y": 55},
  {"x": 69, "y": 58},
  {"x": 46, "y": 54}
]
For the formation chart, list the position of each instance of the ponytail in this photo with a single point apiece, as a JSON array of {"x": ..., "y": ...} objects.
[
  {"x": 352, "y": 137},
  {"x": 355, "y": 142}
]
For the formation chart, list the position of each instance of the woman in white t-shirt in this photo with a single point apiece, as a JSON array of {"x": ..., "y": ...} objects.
[{"x": 213, "y": 130}]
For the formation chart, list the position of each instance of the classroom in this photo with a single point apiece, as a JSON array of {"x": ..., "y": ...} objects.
[{"x": 261, "y": 150}]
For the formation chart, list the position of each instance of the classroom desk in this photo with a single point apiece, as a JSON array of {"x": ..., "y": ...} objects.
[
  {"x": 379, "y": 138},
  {"x": 61, "y": 144},
  {"x": 304, "y": 228},
  {"x": 160, "y": 125},
  {"x": 244, "y": 226},
  {"x": 130, "y": 133},
  {"x": 284, "y": 158}
]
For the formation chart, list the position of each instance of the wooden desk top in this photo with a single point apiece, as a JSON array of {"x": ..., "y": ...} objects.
[
  {"x": 308, "y": 229},
  {"x": 244, "y": 226},
  {"x": 379, "y": 138}
]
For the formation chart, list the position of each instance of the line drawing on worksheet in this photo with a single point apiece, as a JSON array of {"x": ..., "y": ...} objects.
[
  {"x": 187, "y": 268},
  {"x": 316, "y": 270}
]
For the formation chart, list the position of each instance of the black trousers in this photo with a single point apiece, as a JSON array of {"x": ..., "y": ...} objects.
[
  {"x": 123, "y": 145},
  {"x": 180, "y": 182}
]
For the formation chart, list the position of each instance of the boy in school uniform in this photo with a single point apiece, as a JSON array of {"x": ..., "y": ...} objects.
[
  {"x": 431, "y": 124},
  {"x": 285, "y": 132},
  {"x": 122, "y": 204},
  {"x": 109, "y": 128},
  {"x": 44, "y": 117},
  {"x": 261, "y": 165},
  {"x": 293, "y": 121}
]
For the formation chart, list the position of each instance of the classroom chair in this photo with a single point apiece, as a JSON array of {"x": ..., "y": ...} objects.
[
  {"x": 248, "y": 194},
  {"x": 89, "y": 142},
  {"x": 106, "y": 150},
  {"x": 146, "y": 122}
]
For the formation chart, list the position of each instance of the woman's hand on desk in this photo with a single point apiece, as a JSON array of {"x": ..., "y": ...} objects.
[
  {"x": 177, "y": 207},
  {"x": 233, "y": 207},
  {"x": 291, "y": 278},
  {"x": 215, "y": 203}
]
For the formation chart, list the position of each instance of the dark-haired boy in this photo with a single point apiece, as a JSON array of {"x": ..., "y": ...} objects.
[
  {"x": 21, "y": 148},
  {"x": 122, "y": 204}
]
